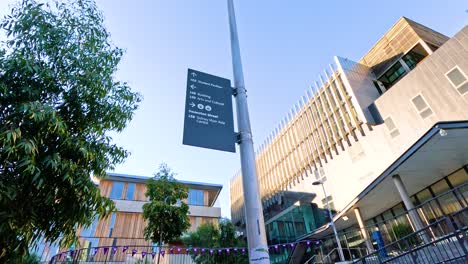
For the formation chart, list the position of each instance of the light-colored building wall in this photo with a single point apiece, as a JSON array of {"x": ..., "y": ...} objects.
[{"x": 352, "y": 157}]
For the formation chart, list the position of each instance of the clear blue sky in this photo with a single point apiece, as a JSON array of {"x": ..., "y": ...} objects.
[{"x": 284, "y": 44}]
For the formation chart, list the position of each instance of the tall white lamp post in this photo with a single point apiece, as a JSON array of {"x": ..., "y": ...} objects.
[{"x": 332, "y": 223}]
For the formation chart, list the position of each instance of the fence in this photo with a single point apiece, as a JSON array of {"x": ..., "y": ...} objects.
[{"x": 448, "y": 245}]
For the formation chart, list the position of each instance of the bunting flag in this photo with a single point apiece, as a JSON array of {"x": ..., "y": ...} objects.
[{"x": 181, "y": 250}]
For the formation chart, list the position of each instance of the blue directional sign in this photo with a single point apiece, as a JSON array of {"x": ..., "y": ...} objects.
[{"x": 208, "y": 120}]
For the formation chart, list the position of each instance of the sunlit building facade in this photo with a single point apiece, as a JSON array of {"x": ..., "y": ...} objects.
[
  {"x": 125, "y": 227},
  {"x": 397, "y": 117}
]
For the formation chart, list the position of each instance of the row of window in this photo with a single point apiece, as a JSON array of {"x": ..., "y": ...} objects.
[
  {"x": 195, "y": 197},
  {"x": 456, "y": 77}
]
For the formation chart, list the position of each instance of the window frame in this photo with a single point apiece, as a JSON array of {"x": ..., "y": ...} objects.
[
  {"x": 457, "y": 87},
  {"x": 428, "y": 107},
  {"x": 191, "y": 200},
  {"x": 121, "y": 192},
  {"x": 133, "y": 193},
  {"x": 395, "y": 129}
]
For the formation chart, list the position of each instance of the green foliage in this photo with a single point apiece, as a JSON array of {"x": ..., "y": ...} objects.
[
  {"x": 401, "y": 230},
  {"x": 31, "y": 259},
  {"x": 208, "y": 235},
  {"x": 59, "y": 100},
  {"x": 166, "y": 221}
]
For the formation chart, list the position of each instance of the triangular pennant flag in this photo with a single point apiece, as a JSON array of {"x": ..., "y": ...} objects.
[
  {"x": 134, "y": 251},
  {"x": 114, "y": 249},
  {"x": 162, "y": 253},
  {"x": 124, "y": 248},
  {"x": 105, "y": 250},
  {"x": 153, "y": 254},
  {"x": 143, "y": 254},
  {"x": 95, "y": 251}
]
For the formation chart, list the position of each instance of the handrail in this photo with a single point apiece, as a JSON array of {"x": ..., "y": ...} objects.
[{"x": 309, "y": 260}]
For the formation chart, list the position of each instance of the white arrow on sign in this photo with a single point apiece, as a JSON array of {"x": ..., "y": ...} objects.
[
  {"x": 193, "y": 86},
  {"x": 192, "y": 104},
  {"x": 193, "y": 74}
]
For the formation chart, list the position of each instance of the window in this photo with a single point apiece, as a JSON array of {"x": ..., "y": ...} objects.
[
  {"x": 391, "y": 127},
  {"x": 330, "y": 202},
  {"x": 89, "y": 232},
  {"x": 392, "y": 75},
  {"x": 130, "y": 191},
  {"x": 458, "y": 80},
  {"x": 415, "y": 56},
  {"x": 195, "y": 197},
  {"x": 116, "y": 192},
  {"x": 112, "y": 223},
  {"x": 421, "y": 106}
]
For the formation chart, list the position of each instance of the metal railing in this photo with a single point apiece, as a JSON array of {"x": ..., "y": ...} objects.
[
  {"x": 139, "y": 254},
  {"x": 350, "y": 254},
  {"x": 424, "y": 246}
]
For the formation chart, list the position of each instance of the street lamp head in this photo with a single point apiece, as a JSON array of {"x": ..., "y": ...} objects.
[{"x": 317, "y": 183}]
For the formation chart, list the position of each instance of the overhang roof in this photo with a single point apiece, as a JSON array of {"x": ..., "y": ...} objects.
[
  {"x": 215, "y": 189},
  {"x": 431, "y": 158}
]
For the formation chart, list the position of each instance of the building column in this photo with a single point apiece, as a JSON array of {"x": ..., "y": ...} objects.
[
  {"x": 362, "y": 228},
  {"x": 413, "y": 214}
]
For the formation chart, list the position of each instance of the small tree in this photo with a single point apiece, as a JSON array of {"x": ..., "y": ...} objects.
[
  {"x": 166, "y": 213},
  {"x": 208, "y": 235},
  {"x": 59, "y": 99}
]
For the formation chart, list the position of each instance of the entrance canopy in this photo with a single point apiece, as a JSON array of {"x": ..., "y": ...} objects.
[{"x": 441, "y": 151}]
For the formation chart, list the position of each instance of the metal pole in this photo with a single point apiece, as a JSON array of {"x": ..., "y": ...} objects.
[
  {"x": 255, "y": 225},
  {"x": 160, "y": 245},
  {"x": 332, "y": 223}
]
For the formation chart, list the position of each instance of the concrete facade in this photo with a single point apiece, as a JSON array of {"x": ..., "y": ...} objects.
[{"x": 384, "y": 124}]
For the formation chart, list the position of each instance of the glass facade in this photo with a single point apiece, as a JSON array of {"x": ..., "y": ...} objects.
[
  {"x": 292, "y": 223},
  {"x": 392, "y": 75},
  {"x": 442, "y": 198},
  {"x": 415, "y": 56}
]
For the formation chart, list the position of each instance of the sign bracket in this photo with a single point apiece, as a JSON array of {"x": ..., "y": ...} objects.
[{"x": 234, "y": 91}]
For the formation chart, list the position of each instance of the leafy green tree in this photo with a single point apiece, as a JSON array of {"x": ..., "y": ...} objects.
[
  {"x": 59, "y": 99},
  {"x": 224, "y": 235},
  {"x": 166, "y": 213}
]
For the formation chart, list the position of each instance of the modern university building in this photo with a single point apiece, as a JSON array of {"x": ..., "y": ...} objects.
[
  {"x": 388, "y": 137},
  {"x": 126, "y": 226}
]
